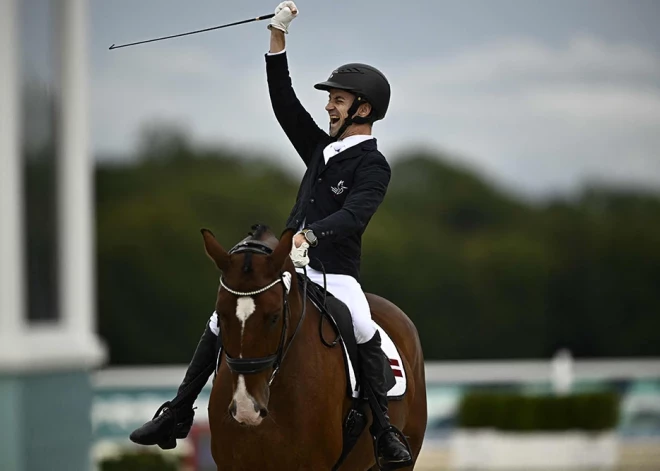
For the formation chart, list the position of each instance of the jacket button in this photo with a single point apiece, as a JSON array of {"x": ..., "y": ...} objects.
[
  {"x": 312, "y": 200},
  {"x": 320, "y": 180}
]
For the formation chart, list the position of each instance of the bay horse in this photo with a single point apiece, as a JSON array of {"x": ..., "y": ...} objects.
[{"x": 278, "y": 400}]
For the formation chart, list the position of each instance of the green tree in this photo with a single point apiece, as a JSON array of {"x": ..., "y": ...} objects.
[{"x": 482, "y": 274}]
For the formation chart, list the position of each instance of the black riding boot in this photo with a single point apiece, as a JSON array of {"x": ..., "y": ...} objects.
[
  {"x": 391, "y": 451},
  {"x": 174, "y": 418}
]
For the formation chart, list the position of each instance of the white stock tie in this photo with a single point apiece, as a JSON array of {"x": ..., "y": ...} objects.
[
  {"x": 338, "y": 146},
  {"x": 333, "y": 149}
]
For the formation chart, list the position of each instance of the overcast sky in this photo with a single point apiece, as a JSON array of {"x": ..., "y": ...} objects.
[{"x": 537, "y": 96}]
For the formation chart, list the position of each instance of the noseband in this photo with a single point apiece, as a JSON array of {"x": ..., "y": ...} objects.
[{"x": 247, "y": 366}]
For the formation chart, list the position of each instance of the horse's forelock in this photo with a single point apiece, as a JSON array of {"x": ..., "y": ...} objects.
[
  {"x": 262, "y": 233},
  {"x": 259, "y": 231}
]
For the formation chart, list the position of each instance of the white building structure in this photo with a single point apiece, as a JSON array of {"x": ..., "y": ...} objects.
[{"x": 45, "y": 364}]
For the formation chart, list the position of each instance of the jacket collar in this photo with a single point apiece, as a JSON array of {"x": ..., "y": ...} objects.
[
  {"x": 356, "y": 150},
  {"x": 343, "y": 144}
]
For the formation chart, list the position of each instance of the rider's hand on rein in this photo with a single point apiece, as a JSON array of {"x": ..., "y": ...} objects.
[{"x": 299, "y": 252}]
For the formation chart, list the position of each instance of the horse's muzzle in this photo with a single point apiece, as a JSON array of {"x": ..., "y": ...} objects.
[
  {"x": 246, "y": 416},
  {"x": 245, "y": 408}
]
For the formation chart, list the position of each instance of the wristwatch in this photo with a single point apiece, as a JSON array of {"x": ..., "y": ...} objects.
[{"x": 311, "y": 237}]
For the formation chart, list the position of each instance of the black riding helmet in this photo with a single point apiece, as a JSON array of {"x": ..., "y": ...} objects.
[{"x": 367, "y": 83}]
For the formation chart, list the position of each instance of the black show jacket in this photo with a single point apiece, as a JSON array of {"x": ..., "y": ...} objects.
[{"x": 336, "y": 200}]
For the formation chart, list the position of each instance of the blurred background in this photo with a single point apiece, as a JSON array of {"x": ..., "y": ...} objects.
[{"x": 520, "y": 232}]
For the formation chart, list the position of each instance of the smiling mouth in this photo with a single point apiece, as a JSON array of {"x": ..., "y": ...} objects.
[{"x": 334, "y": 119}]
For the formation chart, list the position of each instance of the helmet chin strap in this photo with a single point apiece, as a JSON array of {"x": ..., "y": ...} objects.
[{"x": 350, "y": 119}]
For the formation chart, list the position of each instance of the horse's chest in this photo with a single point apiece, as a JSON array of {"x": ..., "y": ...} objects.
[{"x": 271, "y": 453}]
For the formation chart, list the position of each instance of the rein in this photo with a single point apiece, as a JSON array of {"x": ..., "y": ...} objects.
[{"x": 246, "y": 366}]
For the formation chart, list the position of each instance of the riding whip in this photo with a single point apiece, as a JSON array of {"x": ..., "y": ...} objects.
[{"x": 258, "y": 18}]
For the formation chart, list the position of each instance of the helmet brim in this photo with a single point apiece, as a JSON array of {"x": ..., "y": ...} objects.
[{"x": 329, "y": 85}]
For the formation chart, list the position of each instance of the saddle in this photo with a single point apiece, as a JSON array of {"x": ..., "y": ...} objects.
[{"x": 338, "y": 315}]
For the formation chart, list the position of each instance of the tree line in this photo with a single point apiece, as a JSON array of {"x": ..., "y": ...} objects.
[{"x": 482, "y": 274}]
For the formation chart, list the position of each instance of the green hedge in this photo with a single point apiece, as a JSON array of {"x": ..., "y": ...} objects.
[
  {"x": 140, "y": 461},
  {"x": 517, "y": 412}
]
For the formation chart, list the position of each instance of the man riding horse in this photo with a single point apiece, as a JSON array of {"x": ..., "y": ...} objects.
[{"x": 331, "y": 213}]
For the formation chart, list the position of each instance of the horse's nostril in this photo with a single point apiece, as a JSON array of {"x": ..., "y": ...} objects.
[
  {"x": 263, "y": 412},
  {"x": 232, "y": 408}
]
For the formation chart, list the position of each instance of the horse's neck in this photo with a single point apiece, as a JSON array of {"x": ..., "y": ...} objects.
[
  {"x": 300, "y": 360},
  {"x": 309, "y": 371}
]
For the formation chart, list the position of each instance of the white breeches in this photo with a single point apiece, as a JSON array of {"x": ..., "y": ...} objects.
[
  {"x": 213, "y": 323},
  {"x": 346, "y": 289}
]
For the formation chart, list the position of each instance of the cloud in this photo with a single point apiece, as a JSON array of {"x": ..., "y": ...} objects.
[
  {"x": 604, "y": 103},
  {"x": 541, "y": 118},
  {"x": 533, "y": 117},
  {"x": 525, "y": 59},
  {"x": 219, "y": 101},
  {"x": 171, "y": 83}
]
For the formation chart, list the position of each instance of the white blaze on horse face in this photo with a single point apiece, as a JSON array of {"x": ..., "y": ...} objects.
[
  {"x": 244, "y": 308},
  {"x": 245, "y": 403}
]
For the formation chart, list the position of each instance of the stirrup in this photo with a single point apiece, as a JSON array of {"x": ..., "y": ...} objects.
[
  {"x": 169, "y": 442},
  {"x": 404, "y": 440}
]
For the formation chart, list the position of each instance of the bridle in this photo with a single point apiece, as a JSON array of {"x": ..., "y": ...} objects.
[{"x": 247, "y": 366}]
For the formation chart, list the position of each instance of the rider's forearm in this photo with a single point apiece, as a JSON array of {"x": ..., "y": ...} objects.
[{"x": 277, "y": 41}]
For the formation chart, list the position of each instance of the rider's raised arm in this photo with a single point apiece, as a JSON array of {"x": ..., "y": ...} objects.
[{"x": 297, "y": 123}]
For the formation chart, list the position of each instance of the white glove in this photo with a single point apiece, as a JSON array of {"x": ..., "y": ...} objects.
[
  {"x": 284, "y": 14},
  {"x": 299, "y": 255}
]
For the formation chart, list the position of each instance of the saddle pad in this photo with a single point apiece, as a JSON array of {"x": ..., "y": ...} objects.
[
  {"x": 399, "y": 389},
  {"x": 396, "y": 364}
]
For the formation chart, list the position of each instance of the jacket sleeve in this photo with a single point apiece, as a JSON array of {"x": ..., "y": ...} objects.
[
  {"x": 369, "y": 188},
  {"x": 297, "y": 123}
]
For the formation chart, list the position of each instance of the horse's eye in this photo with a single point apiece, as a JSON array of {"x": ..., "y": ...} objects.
[{"x": 274, "y": 318}]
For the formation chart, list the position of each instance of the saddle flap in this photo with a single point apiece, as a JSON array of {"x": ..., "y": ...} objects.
[{"x": 337, "y": 313}]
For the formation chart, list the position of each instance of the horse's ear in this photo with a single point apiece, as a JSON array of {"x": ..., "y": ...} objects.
[
  {"x": 214, "y": 250},
  {"x": 283, "y": 249}
]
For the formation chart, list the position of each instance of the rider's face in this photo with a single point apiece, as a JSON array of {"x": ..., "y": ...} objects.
[{"x": 339, "y": 101}]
